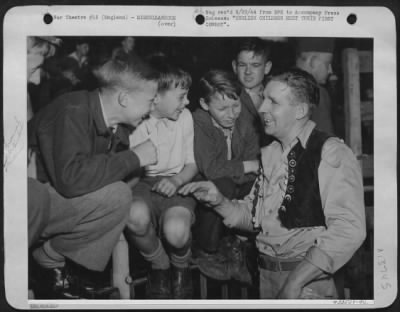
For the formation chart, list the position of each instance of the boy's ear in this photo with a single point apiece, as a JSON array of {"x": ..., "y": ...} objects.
[
  {"x": 268, "y": 67},
  {"x": 203, "y": 104},
  {"x": 313, "y": 61},
  {"x": 122, "y": 98},
  {"x": 234, "y": 66},
  {"x": 302, "y": 110}
]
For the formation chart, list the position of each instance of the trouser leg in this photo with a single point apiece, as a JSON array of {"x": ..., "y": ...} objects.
[
  {"x": 38, "y": 209},
  {"x": 272, "y": 282},
  {"x": 142, "y": 234},
  {"x": 209, "y": 228},
  {"x": 100, "y": 218}
]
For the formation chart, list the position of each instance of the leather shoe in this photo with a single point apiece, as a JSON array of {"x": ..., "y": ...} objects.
[
  {"x": 229, "y": 263},
  {"x": 65, "y": 283},
  {"x": 235, "y": 250},
  {"x": 158, "y": 284},
  {"x": 214, "y": 266},
  {"x": 53, "y": 284},
  {"x": 182, "y": 287}
]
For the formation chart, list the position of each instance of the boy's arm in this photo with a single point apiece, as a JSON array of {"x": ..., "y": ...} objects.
[
  {"x": 236, "y": 214},
  {"x": 169, "y": 186},
  {"x": 251, "y": 141},
  {"x": 210, "y": 164},
  {"x": 186, "y": 175}
]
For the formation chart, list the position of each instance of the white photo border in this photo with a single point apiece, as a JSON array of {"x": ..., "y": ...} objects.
[{"x": 24, "y": 21}]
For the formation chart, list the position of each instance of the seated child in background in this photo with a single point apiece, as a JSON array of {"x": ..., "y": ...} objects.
[
  {"x": 160, "y": 220},
  {"x": 226, "y": 151}
]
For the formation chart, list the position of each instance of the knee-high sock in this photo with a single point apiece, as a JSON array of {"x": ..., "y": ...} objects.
[
  {"x": 180, "y": 257},
  {"x": 159, "y": 258}
]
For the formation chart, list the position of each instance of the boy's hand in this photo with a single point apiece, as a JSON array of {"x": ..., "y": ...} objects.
[
  {"x": 167, "y": 186},
  {"x": 146, "y": 152},
  {"x": 204, "y": 191}
]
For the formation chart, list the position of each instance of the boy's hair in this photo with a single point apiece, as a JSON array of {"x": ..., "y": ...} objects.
[
  {"x": 82, "y": 40},
  {"x": 255, "y": 45},
  {"x": 170, "y": 75},
  {"x": 124, "y": 72},
  {"x": 219, "y": 81},
  {"x": 303, "y": 86}
]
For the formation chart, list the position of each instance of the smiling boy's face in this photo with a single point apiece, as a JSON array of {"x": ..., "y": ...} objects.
[{"x": 170, "y": 103}]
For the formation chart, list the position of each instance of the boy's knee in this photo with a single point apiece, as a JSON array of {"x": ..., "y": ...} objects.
[
  {"x": 176, "y": 230},
  {"x": 139, "y": 218}
]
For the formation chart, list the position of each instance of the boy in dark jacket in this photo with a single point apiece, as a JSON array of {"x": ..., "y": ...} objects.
[
  {"x": 82, "y": 147},
  {"x": 226, "y": 152}
]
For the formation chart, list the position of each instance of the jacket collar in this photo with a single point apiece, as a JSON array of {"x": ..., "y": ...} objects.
[
  {"x": 204, "y": 118},
  {"x": 98, "y": 116},
  {"x": 247, "y": 102}
]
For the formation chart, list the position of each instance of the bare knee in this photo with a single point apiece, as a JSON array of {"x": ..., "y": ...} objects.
[
  {"x": 139, "y": 220},
  {"x": 176, "y": 227}
]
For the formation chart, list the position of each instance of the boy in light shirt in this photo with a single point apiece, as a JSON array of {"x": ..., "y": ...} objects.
[{"x": 160, "y": 219}]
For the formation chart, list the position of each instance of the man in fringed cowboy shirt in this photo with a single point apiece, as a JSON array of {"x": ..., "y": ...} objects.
[{"x": 307, "y": 202}]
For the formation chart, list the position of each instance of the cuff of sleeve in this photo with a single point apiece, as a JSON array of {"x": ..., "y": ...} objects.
[
  {"x": 234, "y": 218},
  {"x": 320, "y": 259},
  {"x": 237, "y": 170},
  {"x": 131, "y": 160}
]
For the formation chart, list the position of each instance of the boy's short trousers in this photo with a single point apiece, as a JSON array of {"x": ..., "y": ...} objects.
[{"x": 158, "y": 203}]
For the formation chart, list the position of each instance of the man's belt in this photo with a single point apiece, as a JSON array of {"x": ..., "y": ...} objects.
[{"x": 269, "y": 263}]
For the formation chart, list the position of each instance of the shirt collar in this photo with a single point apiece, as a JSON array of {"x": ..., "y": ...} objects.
[
  {"x": 227, "y": 132},
  {"x": 113, "y": 128},
  {"x": 153, "y": 122},
  {"x": 258, "y": 90},
  {"x": 103, "y": 111},
  {"x": 306, "y": 132},
  {"x": 302, "y": 137}
]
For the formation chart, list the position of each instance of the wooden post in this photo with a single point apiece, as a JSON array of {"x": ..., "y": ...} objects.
[
  {"x": 352, "y": 100},
  {"x": 203, "y": 286},
  {"x": 225, "y": 291},
  {"x": 120, "y": 268}
]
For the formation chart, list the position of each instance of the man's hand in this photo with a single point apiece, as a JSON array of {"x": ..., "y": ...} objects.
[
  {"x": 167, "y": 186},
  {"x": 204, "y": 191},
  {"x": 302, "y": 275},
  {"x": 146, "y": 152}
]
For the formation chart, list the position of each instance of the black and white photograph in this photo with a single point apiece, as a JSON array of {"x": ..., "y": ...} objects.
[{"x": 196, "y": 164}]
